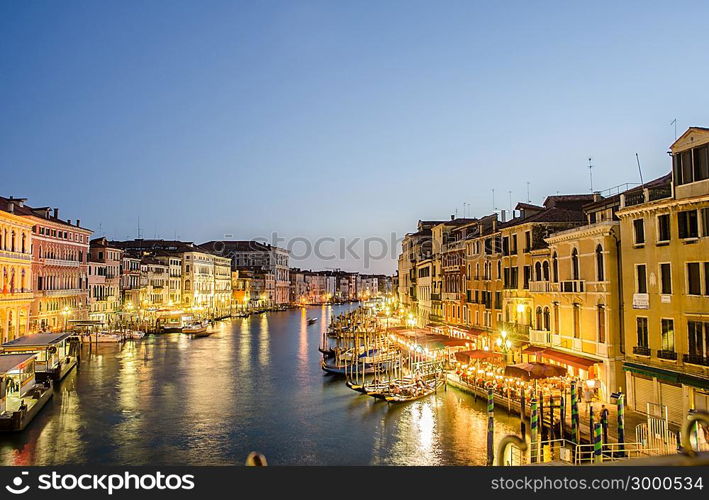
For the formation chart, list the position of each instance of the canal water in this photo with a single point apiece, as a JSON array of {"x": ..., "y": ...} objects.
[{"x": 256, "y": 384}]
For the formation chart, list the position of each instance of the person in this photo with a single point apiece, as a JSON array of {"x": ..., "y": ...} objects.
[{"x": 604, "y": 422}]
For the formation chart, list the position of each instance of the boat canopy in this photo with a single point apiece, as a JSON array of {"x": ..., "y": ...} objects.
[
  {"x": 9, "y": 362},
  {"x": 37, "y": 340}
]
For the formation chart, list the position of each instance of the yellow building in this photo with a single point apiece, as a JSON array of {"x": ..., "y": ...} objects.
[
  {"x": 15, "y": 273},
  {"x": 575, "y": 311},
  {"x": 519, "y": 238},
  {"x": 665, "y": 261}
]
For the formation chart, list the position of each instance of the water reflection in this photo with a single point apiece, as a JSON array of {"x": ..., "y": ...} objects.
[{"x": 256, "y": 384}]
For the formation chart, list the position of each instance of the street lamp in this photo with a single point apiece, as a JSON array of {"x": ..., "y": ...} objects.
[{"x": 66, "y": 312}]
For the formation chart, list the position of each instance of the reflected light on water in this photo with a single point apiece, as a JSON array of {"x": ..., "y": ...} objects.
[{"x": 256, "y": 384}]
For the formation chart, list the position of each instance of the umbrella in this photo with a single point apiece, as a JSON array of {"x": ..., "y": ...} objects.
[
  {"x": 532, "y": 371},
  {"x": 467, "y": 356}
]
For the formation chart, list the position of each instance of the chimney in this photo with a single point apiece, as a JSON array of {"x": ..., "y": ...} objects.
[
  {"x": 11, "y": 207},
  {"x": 78, "y": 222},
  {"x": 56, "y": 213},
  {"x": 68, "y": 221},
  {"x": 452, "y": 217}
]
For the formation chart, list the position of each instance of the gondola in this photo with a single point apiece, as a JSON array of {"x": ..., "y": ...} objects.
[
  {"x": 417, "y": 392},
  {"x": 312, "y": 321}
]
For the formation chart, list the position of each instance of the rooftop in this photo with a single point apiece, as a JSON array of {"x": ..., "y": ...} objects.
[{"x": 38, "y": 340}]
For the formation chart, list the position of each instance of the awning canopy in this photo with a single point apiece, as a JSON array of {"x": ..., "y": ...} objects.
[
  {"x": 532, "y": 371},
  {"x": 456, "y": 342},
  {"x": 37, "y": 340},
  {"x": 533, "y": 349},
  {"x": 467, "y": 356},
  {"x": 569, "y": 359},
  {"x": 9, "y": 362}
]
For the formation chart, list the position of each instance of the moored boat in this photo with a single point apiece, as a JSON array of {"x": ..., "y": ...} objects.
[
  {"x": 195, "y": 328},
  {"x": 21, "y": 396},
  {"x": 312, "y": 321}
]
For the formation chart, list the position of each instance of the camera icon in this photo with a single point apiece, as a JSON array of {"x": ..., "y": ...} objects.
[{"x": 16, "y": 488}]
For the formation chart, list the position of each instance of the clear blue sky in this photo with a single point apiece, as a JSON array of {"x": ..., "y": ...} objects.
[{"x": 335, "y": 118}]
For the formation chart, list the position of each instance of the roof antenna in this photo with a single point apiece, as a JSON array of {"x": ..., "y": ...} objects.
[
  {"x": 637, "y": 158},
  {"x": 674, "y": 122},
  {"x": 494, "y": 208},
  {"x": 510, "y": 193},
  {"x": 529, "y": 200},
  {"x": 590, "y": 172}
]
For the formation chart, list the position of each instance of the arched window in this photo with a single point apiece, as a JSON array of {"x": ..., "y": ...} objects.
[
  {"x": 187, "y": 284},
  {"x": 545, "y": 270},
  {"x": 539, "y": 318},
  {"x": 538, "y": 272},
  {"x": 601, "y": 323},
  {"x": 575, "y": 264},
  {"x": 24, "y": 240},
  {"x": 600, "y": 274},
  {"x": 547, "y": 321},
  {"x": 555, "y": 268}
]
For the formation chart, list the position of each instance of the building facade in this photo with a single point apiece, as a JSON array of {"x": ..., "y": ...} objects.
[
  {"x": 15, "y": 272},
  {"x": 665, "y": 261}
]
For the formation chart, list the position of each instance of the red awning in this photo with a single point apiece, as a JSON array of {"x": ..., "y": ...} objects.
[
  {"x": 569, "y": 359},
  {"x": 456, "y": 342},
  {"x": 533, "y": 349},
  {"x": 466, "y": 356}
]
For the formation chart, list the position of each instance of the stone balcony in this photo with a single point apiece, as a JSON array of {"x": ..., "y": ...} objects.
[
  {"x": 8, "y": 254},
  {"x": 61, "y": 262},
  {"x": 62, "y": 293}
]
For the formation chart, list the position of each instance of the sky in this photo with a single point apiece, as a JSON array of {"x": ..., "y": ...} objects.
[{"x": 336, "y": 122}]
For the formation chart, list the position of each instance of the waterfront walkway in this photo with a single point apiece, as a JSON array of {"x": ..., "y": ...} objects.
[{"x": 632, "y": 418}]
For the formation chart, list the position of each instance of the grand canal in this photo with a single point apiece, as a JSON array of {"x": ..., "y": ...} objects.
[{"x": 254, "y": 385}]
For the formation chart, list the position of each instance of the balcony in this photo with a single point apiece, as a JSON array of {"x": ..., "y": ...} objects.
[
  {"x": 8, "y": 254},
  {"x": 539, "y": 286},
  {"x": 436, "y": 296},
  {"x": 641, "y": 350},
  {"x": 572, "y": 286},
  {"x": 62, "y": 262},
  {"x": 63, "y": 293},
  {"x": 663, "y": 354},
  {"x": 696, "y": 359},
  {"x": 577, "y": 344},
  {"x": 540, "y": 337}
]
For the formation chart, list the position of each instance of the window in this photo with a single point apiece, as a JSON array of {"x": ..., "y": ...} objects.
[
  {"x": 556, "y": 317},
  {"x": 705, "y": 221},
  {"x": 641, "y": 279},
  {"x": 540, "y": 325},
  {"x": 601, "y": 324},
  {"x": 575, "y": 264},
  {"x": 538, "y": 271},
  {"x": 527, "y": 241},
  {"x": 665, "y": 279},
  {"x": 555, "y": 268},
  {"x": 698, "y": 334},
  {"x": 663, "y": 227},
  {"x": 577, "y": 321},
  {"x": 687, "y": 224},
  {"x": 641, "y": 327},
  {"x": 694, "y": 280},
  {"x": 639, "y": 231},
  {"x": 600, "y": 274},
  {"x": 668, "y": 335},
  {"x": 513, "y": 250},
  {"x": 701, "y": 163},
  {"x": 527, "y": 276},
  {"x": 545, "y": 270},
  {"x": 547, "y": 325}
]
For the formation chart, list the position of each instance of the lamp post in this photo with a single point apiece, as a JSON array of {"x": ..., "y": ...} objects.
[
  {"x": 66, "y": 312},
  {"x": 503, "y": 343}
]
